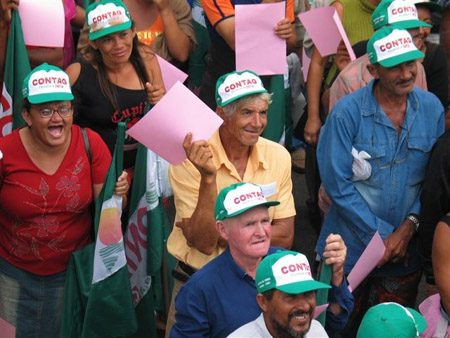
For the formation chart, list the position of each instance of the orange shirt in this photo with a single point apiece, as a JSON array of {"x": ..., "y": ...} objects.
[
  {"x": 150, "y": 34},
  {"x": 218, "y": 10}
]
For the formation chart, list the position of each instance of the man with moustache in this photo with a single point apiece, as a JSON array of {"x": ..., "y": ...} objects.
[
  {"x": 221, "y": 297},
  {"x": 287, "y": 298},
  {"x": 397, "y": 125}
]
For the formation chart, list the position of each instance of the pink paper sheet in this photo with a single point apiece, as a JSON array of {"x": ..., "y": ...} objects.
[
  {"x": 257, "y": 47},
  {"x": 42, "y": 22},
  {"x": 326, "y": 30},
  {"x": 6, "y": 329},
  {"x": 165, "y": 126},
  {"x": 170, "y": 73},
  {"x": 367, "y": 262},
  {"x": 319, "y": 309}
]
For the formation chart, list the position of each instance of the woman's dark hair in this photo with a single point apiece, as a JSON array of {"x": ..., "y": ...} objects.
[{"x": 102, "y": 76}]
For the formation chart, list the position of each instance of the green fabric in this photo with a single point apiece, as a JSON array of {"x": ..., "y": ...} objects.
[
  {"x": 322, "y": 294},
  {"x": 197, "y": 64},
  {"x": 276, "y": 118},
  {"x": 103, "y": 309},
  {"x": 17, "y": 68}
]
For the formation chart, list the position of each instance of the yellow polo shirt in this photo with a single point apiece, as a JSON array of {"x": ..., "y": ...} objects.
[{"x": 269, "y": 166}]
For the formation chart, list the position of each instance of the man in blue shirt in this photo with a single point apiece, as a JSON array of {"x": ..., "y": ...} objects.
[
  {"x": 221, "y": 297},
  {"x": 397, "y": 125}
]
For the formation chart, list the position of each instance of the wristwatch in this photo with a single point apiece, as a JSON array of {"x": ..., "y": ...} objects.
[{"x": 415, "y": 219}]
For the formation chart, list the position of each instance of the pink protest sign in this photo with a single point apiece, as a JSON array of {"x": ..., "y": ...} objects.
[
  {"x": 170, "y": 73},
  {"x": 367, "y": 262},
  {"x": 258, "y": 48},
  {"x": 326, "y": 31},
  {"x": 6, "y": 329},
  {"x": 165, "y": 126},
  {"x": 319, "y": 309},
  {"x": 42, "y": 22}
]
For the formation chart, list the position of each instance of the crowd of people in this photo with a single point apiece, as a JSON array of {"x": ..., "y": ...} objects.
[{"x": 372, "y": 131}]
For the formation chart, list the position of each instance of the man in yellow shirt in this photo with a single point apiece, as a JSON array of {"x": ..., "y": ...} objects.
[{"x": 235, "y": 153}]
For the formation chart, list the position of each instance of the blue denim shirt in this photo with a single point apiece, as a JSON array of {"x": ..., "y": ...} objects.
[{"x": 398, "y": 163}]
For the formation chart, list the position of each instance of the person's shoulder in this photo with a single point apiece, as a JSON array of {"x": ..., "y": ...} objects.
[
  {"x": 10, "y": 140},
  {"x": 272, "y": 147},
  {"x": 426, "y": 98},
  {"x": 316, "y": 330},
  {"x": 205, "y": 276}
]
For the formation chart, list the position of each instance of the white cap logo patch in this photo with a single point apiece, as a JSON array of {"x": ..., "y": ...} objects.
[
  {"x": 397, "y": 43},
  {"x": 105, "y": 16},
  {"x": 401, "y": 10},
  {"x": 243, "y": 197},
  {"x": 291, "y": 269},
  {"x": 51, "y": 82},
  {"x": 236, "y": 85}
]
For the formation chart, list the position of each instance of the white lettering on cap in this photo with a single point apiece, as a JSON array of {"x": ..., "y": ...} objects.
[
  {"x": 397, "y": 43},
  {"x": 291, "y": 269},
  {"x": 104, "y": 16},
  {"x": 243, "y": 197},
  {"x": 43, "y": 82},
  {"x": 402, "y": 11}
]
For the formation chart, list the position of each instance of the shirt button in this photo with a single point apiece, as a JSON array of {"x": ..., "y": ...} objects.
[
  {"x": 394, "y": 183},
  {"x": 392, "y": 208}
]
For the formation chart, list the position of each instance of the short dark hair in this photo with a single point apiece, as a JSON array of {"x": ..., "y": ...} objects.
[{"x": 268, "y": 294}]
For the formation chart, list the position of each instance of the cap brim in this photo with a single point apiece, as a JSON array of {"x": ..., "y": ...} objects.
[
  {"x": 409, "y": 24},
  {"x": 50, "y": 97},
  {"x": 109, "y": 30},
  {"x": 396, "y": 60},
  {"x": 267, "y": 204},
  {"x": 419, "y": 319},
  {"x": 259, "y": 91},
  {"x": 301, "y": 287},
  {"x": 433, "y": 6}
]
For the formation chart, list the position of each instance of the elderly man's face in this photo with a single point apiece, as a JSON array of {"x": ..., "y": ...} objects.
[
  {"x": 290, "y": 315},
  {"x": 248, "y": 234},
  {"x": 398, "y": 80},
  {"x": 248, "y": 122}
]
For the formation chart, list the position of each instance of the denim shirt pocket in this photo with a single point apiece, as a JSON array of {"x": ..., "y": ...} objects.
[
  {"x": 418, "y": 154},
  {"x": 377, "y": 160}
]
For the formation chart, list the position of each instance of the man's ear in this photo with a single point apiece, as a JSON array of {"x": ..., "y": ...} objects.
[
  {"x": 373, "y": 70},
  {"x": 222, "y": 229},
  {"x": 221, "y": 113},
  {"x": 262, "y": 302}
]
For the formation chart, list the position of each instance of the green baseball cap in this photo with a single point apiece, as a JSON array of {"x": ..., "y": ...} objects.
[
  {"x": 393, "y": 320},
  {"x": 234, "y": 85},
  {"x": 47, "y": 83},
  {"x": 287, "y": 271},
  {"x": 398, "y": 13},
  {"x": 107, "y": 17},
  {"x": 432, "y": 5},
  {"x": 390, "y": 46},
  {"x": 239, "y": 198}
]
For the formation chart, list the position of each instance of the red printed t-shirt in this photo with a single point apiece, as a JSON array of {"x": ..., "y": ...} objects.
[
  {"x": 43, "y": 218},
  {"x": 149, "y": 35}
]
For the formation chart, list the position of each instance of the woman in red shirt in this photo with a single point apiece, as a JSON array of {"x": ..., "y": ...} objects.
[{"x": 47, "y": 183}]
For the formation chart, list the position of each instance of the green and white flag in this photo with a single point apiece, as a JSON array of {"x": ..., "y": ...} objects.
[{"x": 17, "y": 68}]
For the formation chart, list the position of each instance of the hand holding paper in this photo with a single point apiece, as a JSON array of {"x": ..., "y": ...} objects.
[
  {"x": 255, "y": 36},
  {"x": 367, "y": 262},
  {"x": 164, "y": 128},
  {"x": 334, "y": 254}
]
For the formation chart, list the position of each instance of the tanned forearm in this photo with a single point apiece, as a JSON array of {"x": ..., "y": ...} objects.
[
  {"x": 283, "y": 232},
  {"x": 200, "y": 230}
]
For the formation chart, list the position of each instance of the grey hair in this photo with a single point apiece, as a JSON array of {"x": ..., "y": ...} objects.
[{"x": 230, "y": 108}]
